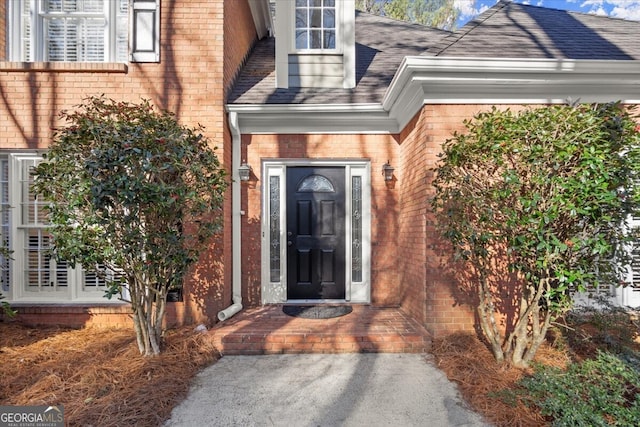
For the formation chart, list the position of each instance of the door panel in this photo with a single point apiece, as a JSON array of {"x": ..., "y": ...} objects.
[{"x": 315, "y": 233}]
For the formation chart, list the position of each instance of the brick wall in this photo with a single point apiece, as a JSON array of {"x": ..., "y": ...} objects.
[
  {"x": 96, "y": 315},
  {"x": 413, "y": 191},
  {"x": 75, "y": 316},
  {"x": 429, "y": 288},
  {"x": 384, "y": 202},
  {"x": 239, "y": 36},
  {"x": 188, "y": 81}
]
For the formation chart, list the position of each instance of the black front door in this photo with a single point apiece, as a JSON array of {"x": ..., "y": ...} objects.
[{"x": 315, "y": 233}]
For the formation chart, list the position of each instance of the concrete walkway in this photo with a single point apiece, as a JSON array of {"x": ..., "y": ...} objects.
[{"x": 399, "y": 390}]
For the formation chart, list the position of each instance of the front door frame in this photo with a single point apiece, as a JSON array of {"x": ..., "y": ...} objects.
[{"x": 274, "y": 241}]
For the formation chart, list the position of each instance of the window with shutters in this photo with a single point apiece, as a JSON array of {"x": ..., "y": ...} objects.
[
  {"x": 83, "y": 30},
  {"x": 32, "y": 273}
]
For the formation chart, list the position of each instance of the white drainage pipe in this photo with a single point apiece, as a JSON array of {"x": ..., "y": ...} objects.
[{"x": 236, "y": 216}]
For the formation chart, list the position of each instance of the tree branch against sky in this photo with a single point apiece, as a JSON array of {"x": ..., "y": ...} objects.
[{"x": 433, "y": 13}]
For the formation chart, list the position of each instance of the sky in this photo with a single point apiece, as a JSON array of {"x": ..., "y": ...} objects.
[{"x": 624, "y": 9}]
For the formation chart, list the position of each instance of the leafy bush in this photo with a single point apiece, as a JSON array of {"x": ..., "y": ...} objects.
[
  {"x": 605, "y": 326},
  {"x": 6, "y": 308},
  {"x": 603, "y": 391},
  {"x": 532, "y": 203},
  {"x": 131, "y": 189}
]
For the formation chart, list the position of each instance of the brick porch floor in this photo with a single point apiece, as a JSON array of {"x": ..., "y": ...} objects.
[{"x": 367, "y": 329}]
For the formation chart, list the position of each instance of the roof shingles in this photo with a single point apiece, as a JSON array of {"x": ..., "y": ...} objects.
[
  {"x": 511, "y": 30},
  {"x": 381, "y": 44},
  {"x": 507, "y": 30}
]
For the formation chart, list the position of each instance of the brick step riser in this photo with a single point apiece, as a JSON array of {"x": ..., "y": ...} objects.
[{"x": 248, "y": 345}]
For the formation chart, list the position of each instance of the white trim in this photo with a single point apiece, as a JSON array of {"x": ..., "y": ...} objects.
[
  {"x": 440, "y": 80},
  {"x": 273, "y": 291},
  {"x": 73, "y": 292},
  {"x": 314, "y": 118},
  {"x": 144, "y": 31},
  {"x": 283, "y": 33},
  {"x": 348, "y": 41},
  {"x": 345, "y": 48},
  {"x": 261, "y": 13},
  {"x": 276, "y": 292},
  {"x": 427, "y": 80},
  {"x": 18, "y": 290}
]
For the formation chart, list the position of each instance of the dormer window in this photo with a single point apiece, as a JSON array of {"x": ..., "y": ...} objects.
[
  {"x": 315, "y": 43},
  {"x": 315, "y": 24}
]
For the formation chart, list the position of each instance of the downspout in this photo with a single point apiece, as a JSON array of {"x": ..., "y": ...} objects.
[{"x": 236, "y": 216}]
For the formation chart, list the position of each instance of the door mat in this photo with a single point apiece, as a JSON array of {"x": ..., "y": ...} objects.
[{"x": 317, "y": 311}]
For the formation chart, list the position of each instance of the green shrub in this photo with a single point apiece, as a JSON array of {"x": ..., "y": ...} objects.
[
  {"x": 6, "y": 308},
  {"x": 531, "y": 202},
  {"x": 604, "y": 391},
  {"x": 604, "y": 326}
]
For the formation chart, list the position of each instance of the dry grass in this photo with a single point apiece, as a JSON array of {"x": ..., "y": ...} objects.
[{"x": 98, "y": 375}]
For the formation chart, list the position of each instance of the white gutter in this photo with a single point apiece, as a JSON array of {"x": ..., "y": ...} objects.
[
  {"x": 424, "y": 80},
  {"x": 236, "y": 216},
  {"x": 313, "y": 118}
]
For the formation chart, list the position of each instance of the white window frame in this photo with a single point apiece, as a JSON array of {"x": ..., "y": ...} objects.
[
  {"x": 630, "y": 295},
  {"x": 75, "y": 290},
  {"x": 39, "y": 14},
  {"x": 337, "y": 26}
]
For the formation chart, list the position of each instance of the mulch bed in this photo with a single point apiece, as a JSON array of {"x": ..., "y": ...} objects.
[
  {"x": 98, "y": 374},
  {"x": 487, "y": 386},
  {"x": 100, "y": 378}
]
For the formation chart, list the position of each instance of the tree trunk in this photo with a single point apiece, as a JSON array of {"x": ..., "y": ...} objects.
[
  {"x": 486, "y": 314},
  {"x": 529, "y": 332},
  {"x": 148, "y": 306}
]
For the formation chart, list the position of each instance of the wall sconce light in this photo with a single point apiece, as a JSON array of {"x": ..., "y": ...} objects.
[
  {"x": 244, "y": 172},
  {"x": 387, "y": 171}
]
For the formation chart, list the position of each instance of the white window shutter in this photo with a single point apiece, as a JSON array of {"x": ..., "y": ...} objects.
[{"x": 145, "y": 31}]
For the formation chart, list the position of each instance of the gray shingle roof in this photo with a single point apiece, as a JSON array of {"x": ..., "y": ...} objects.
[
  {"x": 506, "y": 30},
  {"x": 510, "y": 30},
  {"x": 381, "y": 44}
]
